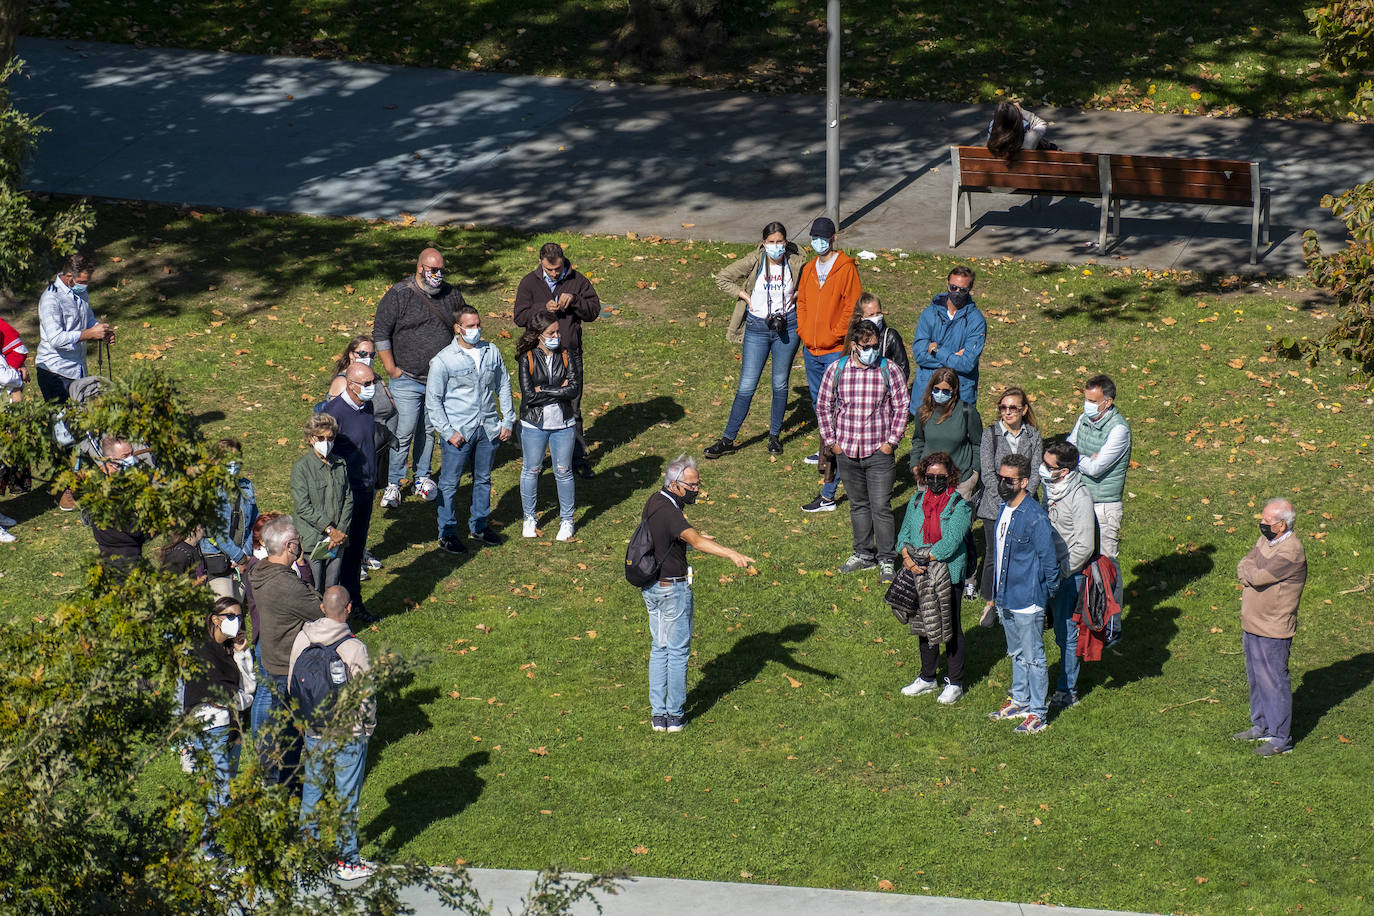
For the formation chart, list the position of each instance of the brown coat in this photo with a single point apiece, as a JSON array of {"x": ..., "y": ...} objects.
[{"x": 1272, "y": 576}]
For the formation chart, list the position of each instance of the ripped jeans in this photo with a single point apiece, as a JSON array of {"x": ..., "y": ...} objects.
[
  {"x": 559, "y": 443},
  {"x": 670, "y": 628}
]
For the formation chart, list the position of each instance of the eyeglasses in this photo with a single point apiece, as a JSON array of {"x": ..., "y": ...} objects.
[
  {"x": 945, "y": 390},
  {"x": 1011, "y": 480},
  {"x": 956, "y": 288},
  {"x": 1010, "y": 408},
  {"x": 324, "y": 438},
  {"x": 433, "y": 271},
  {"x": 364, "y": 352}
]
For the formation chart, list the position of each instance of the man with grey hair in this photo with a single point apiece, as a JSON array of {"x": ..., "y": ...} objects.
[
  {"x": 285, "y": 604},
  {"x": 669, "y": 600},
  {"x": 1272, "y": 576}
]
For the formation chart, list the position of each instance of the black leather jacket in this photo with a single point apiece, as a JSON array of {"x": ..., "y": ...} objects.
[{"x": 534, "y": 373}]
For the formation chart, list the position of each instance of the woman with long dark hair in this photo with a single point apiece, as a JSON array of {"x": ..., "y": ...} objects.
[
  {"x": 550, "y": 383},
  {"x": 1014, "y": 129},
  {"x": 765, "y": 320}
]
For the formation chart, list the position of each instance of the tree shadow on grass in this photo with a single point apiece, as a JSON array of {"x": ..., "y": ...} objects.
[
  {"x": 1148, "y": 624},
  {"x": 745, "y": 661},
  {"x": 426, "y": 798},
  {"x": 1323, "y": 689}
]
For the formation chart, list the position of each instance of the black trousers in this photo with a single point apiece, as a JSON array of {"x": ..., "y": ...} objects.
[
  {"x": 954, "y": 649},
  {"x": 350, "y": 576}
]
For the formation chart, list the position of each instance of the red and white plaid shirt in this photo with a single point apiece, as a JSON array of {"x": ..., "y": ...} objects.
[{"x": 858, "y": 411}]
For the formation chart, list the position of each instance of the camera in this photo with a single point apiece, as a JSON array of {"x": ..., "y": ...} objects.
[{"x": 777, "y": 322}]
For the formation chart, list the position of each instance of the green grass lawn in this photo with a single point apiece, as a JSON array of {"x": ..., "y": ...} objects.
[
  {"x": 526, "y": 738},
  {"x": 1251, "y": 57}
]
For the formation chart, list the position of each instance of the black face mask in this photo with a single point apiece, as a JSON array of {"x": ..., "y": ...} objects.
[
  {"x": 1267, "y": 531},
  {"x": 958, "y": 299},
  {"x": 688, "y": 496},
  {"x": 1006, "y": 489},
  {"x": 936, "y": 483}
]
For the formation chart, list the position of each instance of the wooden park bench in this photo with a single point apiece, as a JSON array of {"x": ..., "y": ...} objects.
[{"x": 1111, "y": 178}]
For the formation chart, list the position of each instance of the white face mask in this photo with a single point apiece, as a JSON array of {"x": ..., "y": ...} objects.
[
  {"x": 229, "y": 627},
  {"x": 876, "y": 319},
  {"x": 324, "y": 448},
  {"x": 1046, "y": 474},
  {"x": 365, "y": 360},
  {"x": 1090, "y": 410},
  {"x": 366, "y": 392},
  {"x": 471, "y": 336},
  {"x": 260, "y": 552}
]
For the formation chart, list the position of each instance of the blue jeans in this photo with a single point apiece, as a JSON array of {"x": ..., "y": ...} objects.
[
  {"x": 761, "y": 341},
  {"x": 479, "y": 450},
  {"x": 223, "y": 757},
  {"x": 815, "y": 371},
  {"x": 560, "y": 444},
  {"x": 1030, "y": 676},
  {"x": 670, "y": 628},
  {"x": 271, "y": 696},
  {"x": 411, "y": 425},
  {"x": 350, "y": 759},
  {"x": 1065, "y": 602}
]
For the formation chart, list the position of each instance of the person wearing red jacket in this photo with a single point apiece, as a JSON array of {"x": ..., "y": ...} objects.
[
  {"x": 827, "y": 292},
  {"x": 563, "y": 292}
]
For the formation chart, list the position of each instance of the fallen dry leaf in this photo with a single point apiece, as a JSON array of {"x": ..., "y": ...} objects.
[
  {"x": 793, "y": 682},
  {"x": 885, "y": 885},
  {"x": 640, "y": 850},
  {"x": 540, "y": 751}
]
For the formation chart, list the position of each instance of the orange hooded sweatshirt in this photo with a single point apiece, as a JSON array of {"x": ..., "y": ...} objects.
[{"x": 823, "y": 312}]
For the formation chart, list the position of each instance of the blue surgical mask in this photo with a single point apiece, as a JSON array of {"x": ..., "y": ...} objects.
[
  {"x": 233, "y": 467},
  {"x": 868, "y": 355},
  {"x": 471, "y": 336},
  {"x": 127, "y": 463},
  {"x": 941, "y": 397},
  {"x": 552, "y": 343},
  {"x": 774, "y": 250},
  {"x": 1090, "y": 410},
  {"x": 366, "y": 392},
  {"x": 820, "y": 246},
  {"x": 79, "y": 288}
]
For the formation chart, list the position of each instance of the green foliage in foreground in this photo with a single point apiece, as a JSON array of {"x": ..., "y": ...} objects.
[
  {"x": 87, "y": 706},
  {"x": 526, "y": 740},
  {"x": 1249, "y": 57}
]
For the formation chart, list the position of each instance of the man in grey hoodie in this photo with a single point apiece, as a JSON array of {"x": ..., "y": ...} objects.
[
  {"x": 285, "y": 604},
  {"x": 1070, "y": 507},
  {"x": 346, "y": 756}
]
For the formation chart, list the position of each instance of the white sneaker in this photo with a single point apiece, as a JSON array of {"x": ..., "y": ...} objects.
[
  {"x": 188, "y": 759},
  {"x": 391, "y": 496},
  {"x": 370, "y": 561},
  {"x": 918, "y": 687},
  {"x": 565, "y": 531},
  {"x": 354, "y": 871},
  {"x": 6, "y": 521},
  {"x": 530, "y": 530},
  {"x": 951, "y": 694},
  {"x": 6, "y": 537},
  {"x": 426, "y": 489}
]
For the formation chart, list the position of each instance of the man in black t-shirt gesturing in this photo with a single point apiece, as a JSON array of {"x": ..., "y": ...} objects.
[{"x": 669, "y": 600}]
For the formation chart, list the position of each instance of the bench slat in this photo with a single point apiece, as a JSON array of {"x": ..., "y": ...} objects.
[{"x": 1058, "y": 184}]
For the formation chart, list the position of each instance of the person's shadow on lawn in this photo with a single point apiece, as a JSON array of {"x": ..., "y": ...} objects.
[
  {"x": 626, "y": 422},
  {"x": 426, "y": 798},
  {"x": 1148, "y": 625},
  {"x": 1323, "y": 689},
  {"x": 745, "y": 661}
]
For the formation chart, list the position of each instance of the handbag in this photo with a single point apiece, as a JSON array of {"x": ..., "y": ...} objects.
[{"x": 902, "y": 595}]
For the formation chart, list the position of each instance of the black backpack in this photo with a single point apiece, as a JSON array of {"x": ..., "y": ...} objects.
[
  {"x": 641, "y": 567},
  {"x": 316, "y": 677}
]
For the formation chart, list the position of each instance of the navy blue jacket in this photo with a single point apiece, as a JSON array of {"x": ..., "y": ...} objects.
[{"x": 356, "y": 444}]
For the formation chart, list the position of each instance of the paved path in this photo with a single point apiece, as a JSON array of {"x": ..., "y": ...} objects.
[
  {"x": 290, "y": 134},
  {"x": 672, "y": 897}
]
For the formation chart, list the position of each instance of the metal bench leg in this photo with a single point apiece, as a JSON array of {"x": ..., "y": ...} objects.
[
  {"x": 1102, "y": 228},
  {"x": 968, "y": 210},
  {"x": 1116, "y": 217},
  {"x": 954, "y": 216},
  {"x": 1264, "y": 237},
  {"x": 1255, "y": 231}
]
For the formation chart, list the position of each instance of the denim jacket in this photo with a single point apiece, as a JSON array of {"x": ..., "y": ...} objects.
[
  {"x": 220, "y": 540},
  {"x": 1029, "y": 572},
  {"x": 458, "y": 397}
]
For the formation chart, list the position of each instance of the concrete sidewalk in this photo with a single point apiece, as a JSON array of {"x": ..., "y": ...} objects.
[
  {"x": 672, "y": 897},
  {"x": 342, "y": 139}
]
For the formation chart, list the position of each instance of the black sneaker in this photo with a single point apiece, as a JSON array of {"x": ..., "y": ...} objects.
[
  {"x": 721, "y": 446},
  {"x": 584, "y": 470},
  {"x": 813, "y": 458},
  {"x": 820, "y": 504},
  {"x": 365, "y": 616},
  {"x": 774, "y": 445},
  {"x": 674, "y": 723},
  {"x": 488, "y": 537},
  {"x": 452, "y": 544},
  {"x": 659, "y": 723}
]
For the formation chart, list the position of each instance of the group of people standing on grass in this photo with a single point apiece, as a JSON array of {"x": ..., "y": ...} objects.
[{"x": 1050, "y": 511}]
